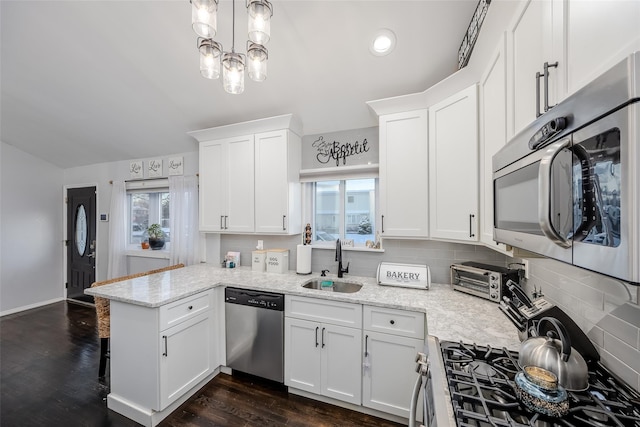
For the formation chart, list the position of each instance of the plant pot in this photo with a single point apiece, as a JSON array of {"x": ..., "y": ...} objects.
[{"x": 156, "y": 244}]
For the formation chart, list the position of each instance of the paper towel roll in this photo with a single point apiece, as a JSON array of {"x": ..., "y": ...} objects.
[{"x": 303, "y": 259}]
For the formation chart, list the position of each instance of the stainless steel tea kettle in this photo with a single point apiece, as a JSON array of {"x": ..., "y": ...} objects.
[{"x": 555, "y": 355}]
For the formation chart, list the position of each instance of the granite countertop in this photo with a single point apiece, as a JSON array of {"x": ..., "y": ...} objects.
[{"x": 451, "y": 315}]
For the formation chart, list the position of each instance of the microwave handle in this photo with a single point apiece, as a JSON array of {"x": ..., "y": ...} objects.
[{"x": 544, "y": 190}]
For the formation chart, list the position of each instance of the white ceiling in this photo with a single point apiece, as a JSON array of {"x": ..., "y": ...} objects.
[{"x": 86, "y": 82}]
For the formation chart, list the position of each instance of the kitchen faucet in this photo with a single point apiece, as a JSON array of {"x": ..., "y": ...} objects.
[{"x": 339, "y": 259}]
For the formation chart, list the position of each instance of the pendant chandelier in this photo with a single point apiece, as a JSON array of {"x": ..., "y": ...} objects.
[{"x": 214, "y": 59}]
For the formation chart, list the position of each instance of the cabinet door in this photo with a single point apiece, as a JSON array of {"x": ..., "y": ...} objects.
[
  {"x": 453, "y": 167},
  {"x": 403, "y": 174},
  {"x": 599, "y": 35},
  {"x": 213, "y": 172},
  {"x": 341, "y": 363},
  {"x": 273, "y": 182},
  {"x": 493, "y": 136},
  {"x": 530, "y": 46},
  {"x": 240, "y": 184},
  {"x": 185, "y": 359},
  {"x": 302, "y": 354},
  {"x": 388, "y": 381}
]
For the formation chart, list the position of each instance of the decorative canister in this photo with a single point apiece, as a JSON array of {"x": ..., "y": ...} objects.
[
  {"x": 259, "y": 261},
  {"x": 277, "y": 260}
]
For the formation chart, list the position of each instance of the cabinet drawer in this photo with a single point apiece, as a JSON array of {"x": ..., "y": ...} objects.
[
  {"x": 321, "y": 310},
  {"x": 186, "y": 308},
  {"x": 392, "y": 321}
]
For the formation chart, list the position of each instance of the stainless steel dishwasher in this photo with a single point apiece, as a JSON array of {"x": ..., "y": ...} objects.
[{"x": 255, "y": 332}]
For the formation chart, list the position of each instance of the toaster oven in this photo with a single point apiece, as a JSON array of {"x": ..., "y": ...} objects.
[{"x": 482, "y": 280}]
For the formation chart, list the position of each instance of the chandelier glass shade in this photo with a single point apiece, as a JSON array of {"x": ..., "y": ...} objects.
[
  {"x": 204, "y": 18},
  {"x": 257, "y": 61},
  {"x": 210, "y": 56},
  {"x": 259, "y": 13},
  {"x": 214, "y": 60},
  {"x": 233, "y": 72}
]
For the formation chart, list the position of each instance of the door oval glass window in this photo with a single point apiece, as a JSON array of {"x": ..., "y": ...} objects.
[{"x": 81, "y": 230}]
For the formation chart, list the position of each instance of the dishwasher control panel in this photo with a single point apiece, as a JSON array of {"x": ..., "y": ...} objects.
[{"x": 259, "y": 299}]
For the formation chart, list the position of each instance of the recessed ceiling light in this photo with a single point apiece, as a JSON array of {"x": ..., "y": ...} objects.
[{"x": 383, "y": 42}]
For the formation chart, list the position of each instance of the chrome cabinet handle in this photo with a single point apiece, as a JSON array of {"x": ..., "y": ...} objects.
[
  {"x": 544, "y": 190},
  {"x": 546, "y": 84},
  {"x": 323, "y": 337},
  {"x": 366, "y": 345},
  {"x": 382, "y": 223},
  {"x": 226, "y": 226},
  {"x": 471, "y": 216},
  {"x": 284, "y": 228},
  {"x": 317, "y": 327},
  {"x": 166, "y": 352},
  {"x": 221, "y": 225},
  {"x": 538, "y": 75}
]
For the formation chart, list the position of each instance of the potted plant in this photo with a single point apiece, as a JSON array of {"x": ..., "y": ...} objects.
[{"x": 156, "y": 236}]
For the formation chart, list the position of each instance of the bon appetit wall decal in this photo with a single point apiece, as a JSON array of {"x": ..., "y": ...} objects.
[
  {"x": 340, "y": 149},
  {"x": 337, "y": 150}
]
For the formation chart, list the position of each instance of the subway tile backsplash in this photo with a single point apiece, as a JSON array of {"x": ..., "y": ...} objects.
[
  {"x": 437, "y": 255},
  {"x": 606, "y": 309}
]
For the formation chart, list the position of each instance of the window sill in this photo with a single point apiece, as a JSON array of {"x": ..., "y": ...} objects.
[
  {"x": 148, "y": 253},
  {"x": 347, "y": 248}
]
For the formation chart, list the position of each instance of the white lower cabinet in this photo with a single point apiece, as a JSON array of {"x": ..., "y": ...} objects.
[
  {"x": 388, "y": 379},
  {"x": 389, "y": 358},
  {"x": 323, "y": 359},
  {"x": 321, "y": 355},
  {"x": 185, "y": 359},
  {"x": 159, "y": 354}
]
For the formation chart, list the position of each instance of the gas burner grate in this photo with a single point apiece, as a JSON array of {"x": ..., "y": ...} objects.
[{"x": 481, "y": 384}]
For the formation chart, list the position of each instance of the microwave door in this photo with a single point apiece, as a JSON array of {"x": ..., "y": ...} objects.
[
  {"x": 518, "y": 201},
  {"x": 603, "y": 198}
]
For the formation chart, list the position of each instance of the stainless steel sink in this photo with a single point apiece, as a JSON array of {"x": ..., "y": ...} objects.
[{"x": 337, "y": 286}]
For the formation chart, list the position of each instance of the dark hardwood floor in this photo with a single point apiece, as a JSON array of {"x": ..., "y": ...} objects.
[{"x": 48, "y": 377}]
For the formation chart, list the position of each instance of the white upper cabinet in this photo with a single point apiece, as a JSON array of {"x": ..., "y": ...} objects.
[
  {"x": 533, "y": 40},
  {"x": 493, "y": 135},
  {"x": 599, "y": 35},
  {"x": 404, "y": 174},
  {"x": 453, "y": 167},
  {"x": 227, "y": 184},
  {"x": 277, "y": 187},
  {"x": 213, "y": 178},
  {"x": 584, "y": 39},
  {"x": 249, "y": 177}
]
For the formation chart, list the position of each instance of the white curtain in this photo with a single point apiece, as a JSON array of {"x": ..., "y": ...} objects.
[
  {"x": 183, "y": 219},
  {"x": 117, "y": 231}
]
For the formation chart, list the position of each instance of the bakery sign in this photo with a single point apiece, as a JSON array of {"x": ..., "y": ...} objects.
[{"x": 340, "y": 149}]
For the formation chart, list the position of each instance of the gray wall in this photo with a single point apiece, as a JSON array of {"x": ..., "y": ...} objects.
[
  {"x": 605, "y": 308},
  {"x": 31, "y": 235}
]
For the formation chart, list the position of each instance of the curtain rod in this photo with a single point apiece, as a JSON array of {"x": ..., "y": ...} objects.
[{"x": 147, "y": 179}]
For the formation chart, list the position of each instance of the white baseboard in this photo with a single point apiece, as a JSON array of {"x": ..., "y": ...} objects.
[
  {"x": 30, "y": 306},
  {"x": 146, "y": 416}
]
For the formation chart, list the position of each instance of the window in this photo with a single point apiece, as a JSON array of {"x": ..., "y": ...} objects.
[
  {"x": 345, "y": 209},
  {"x": 147, "y": 207}
]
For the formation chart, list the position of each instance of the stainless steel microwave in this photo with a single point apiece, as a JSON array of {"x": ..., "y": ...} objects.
[{"x": 568, "y": 186}]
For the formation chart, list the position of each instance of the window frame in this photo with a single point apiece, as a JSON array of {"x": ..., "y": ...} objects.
[
  {"x": 342, "y": 211},
  {"x": 155, "y": 190}
]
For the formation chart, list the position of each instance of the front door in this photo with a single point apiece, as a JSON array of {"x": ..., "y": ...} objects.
[{"x": 81, "y": 241}]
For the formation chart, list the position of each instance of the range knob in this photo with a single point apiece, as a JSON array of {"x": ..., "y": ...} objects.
[{"x": 494, "y": 285}]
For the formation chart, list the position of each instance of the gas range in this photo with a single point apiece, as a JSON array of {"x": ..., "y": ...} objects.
[{"x": 481, "y": 384}]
